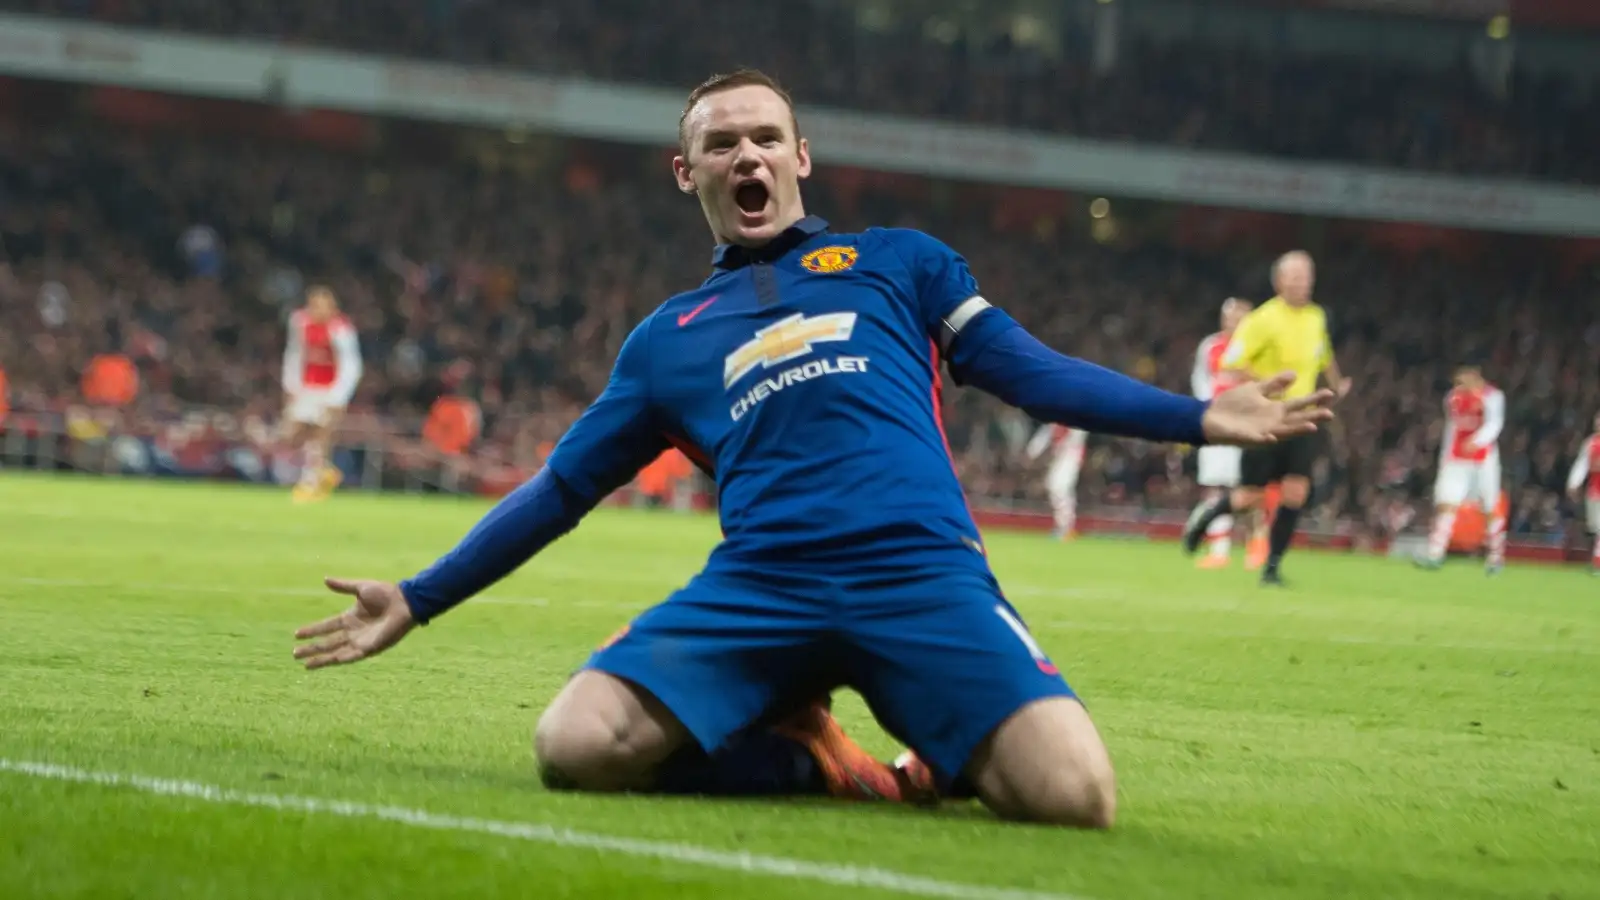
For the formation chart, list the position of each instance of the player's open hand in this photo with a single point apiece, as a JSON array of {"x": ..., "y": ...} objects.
[
  {"x": 1253, "y": 414},
  {"x": 377, "y": 621}
]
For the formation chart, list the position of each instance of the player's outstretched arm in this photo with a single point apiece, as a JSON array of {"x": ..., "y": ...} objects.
[
  {"x": 995, "y": 354},
  {"x": 529, "y": 519},
  {"x": 377, "y": 621},
  {"x": 519, "y": 526},
  {"x": 1580, "y": 469},
  {"x": 294, "y": 355},
  {"x": 1256, "y": 416},
  {"x": 989, "y": 350},
  {"x": 606, "y": 447}
]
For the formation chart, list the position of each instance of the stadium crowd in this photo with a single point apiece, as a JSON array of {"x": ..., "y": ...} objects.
[
  {"x": 1185, "y": 94},
  {"x": 186, "y": 253}
]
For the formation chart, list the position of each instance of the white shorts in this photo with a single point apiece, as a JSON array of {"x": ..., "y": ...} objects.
[
  {"x": 1219, "y": 466},
  {"x": 1594, "y": 515},
  {"x": 1063, "y": 475},
  {"x": 310, "y": 408},
  {"x": 1468, "y": 482}
]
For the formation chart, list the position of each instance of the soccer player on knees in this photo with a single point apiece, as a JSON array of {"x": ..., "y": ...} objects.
[
  {"x": 1061, "y": 479},
  {"x": 807, "y": 368},
  {"x": 1218, "y": 465},
  {"x": 1586, "y": 469},
  {"x": 1469, "y": 466},
  {"x": 321, "y": 367}
]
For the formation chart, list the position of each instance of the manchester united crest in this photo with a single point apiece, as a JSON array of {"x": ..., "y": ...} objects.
[{"x": 830, "y": 259}]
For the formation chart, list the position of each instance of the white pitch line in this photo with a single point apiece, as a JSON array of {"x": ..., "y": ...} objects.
[{"x": 690, "y": 854}]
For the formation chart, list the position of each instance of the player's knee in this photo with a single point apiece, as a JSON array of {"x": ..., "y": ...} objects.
[
  {"x": 579, "y": 753},
  {"x": 586, "y": 752},
  {"x": 1048, "y": 765},
  {"x": 1077, "y": 793},
  {"x": 1295, "y": 492}
]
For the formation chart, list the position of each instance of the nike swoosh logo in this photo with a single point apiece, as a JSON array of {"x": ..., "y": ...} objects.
[{"x": 686, "y": 318}]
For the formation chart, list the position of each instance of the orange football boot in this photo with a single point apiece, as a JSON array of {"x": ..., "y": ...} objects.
[
  {"x": 850, "y": 772},
  {"x": 1255, "y": 554},
  {"x": 1212, "y": 561},
  {"x": 917, "y": 774}
]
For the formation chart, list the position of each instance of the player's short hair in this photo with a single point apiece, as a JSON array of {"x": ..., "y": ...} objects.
[{"x": 727, "y": 81}]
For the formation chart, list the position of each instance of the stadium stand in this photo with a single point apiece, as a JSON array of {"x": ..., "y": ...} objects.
[{"x": 1212, "y": 94}]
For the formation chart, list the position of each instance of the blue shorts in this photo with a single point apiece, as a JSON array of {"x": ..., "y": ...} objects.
[{"x": 942, "y": 661}]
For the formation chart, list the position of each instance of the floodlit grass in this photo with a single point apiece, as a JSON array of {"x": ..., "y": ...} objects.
[{"x": 1374, "y": 732}]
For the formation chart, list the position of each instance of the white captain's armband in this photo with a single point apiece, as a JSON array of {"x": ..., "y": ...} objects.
[{"x": 958, "y": 319}]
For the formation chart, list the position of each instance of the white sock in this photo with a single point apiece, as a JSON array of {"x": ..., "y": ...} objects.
[
  {"x": 311, "y": 469},
  {"x": 1444, "y": 524},
  {"x": 1595, "y": 559},
  {"x": 1066, "y": 511},
  {"x": 1220, "y": 535},
  {"x": 1496, "y": 539}
]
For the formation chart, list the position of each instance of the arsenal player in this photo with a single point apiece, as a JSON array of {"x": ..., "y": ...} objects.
[
  {"x": 1061, "y": 480},
  {"x": 321, "y": 366},
  {"x": 1469, "y": 465},
  {"x": 1219, "y": 464},
  {"x": 1587, "y": 468}
]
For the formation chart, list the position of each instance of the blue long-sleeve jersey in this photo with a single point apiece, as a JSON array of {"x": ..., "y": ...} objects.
[{"x": 807, "y": 375}]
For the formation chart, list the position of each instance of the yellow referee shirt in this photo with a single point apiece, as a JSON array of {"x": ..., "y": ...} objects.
[{"x": 1276, "y": 337}]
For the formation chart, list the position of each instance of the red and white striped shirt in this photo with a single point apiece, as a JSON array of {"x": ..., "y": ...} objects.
[
  {"x": 322, "y": 356},
  {"x": 1067, "y": 442},
  {"x": 1473, "y": 419},
  {"x": 1587, "y": 465},
  {"x": 1208, "y": 379}
]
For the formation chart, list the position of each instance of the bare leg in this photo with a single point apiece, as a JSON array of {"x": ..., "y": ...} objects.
[
  {"x": 1047, "y": 764},
  {"x": 603, "y": 734}
]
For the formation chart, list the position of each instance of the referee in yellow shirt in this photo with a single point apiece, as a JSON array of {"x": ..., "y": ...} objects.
[{"x": 1288, "y": 333}]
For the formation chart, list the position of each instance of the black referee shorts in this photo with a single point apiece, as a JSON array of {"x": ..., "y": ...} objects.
[{"x": 1260, "y": 467}]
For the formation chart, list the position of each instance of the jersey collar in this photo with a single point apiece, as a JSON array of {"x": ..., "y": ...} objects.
[{"x": 733, "y": 256}]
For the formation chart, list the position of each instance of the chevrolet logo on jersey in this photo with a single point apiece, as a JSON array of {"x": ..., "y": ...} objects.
[{"x": 783, "y": 340}]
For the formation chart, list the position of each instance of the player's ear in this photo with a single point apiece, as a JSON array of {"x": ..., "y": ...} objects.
[
  {"x": 802, "y": 153},
  {"x": 680, "y": 171}
]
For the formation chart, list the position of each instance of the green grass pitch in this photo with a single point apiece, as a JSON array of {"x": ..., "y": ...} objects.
[{"x": 1374, "y": 732}]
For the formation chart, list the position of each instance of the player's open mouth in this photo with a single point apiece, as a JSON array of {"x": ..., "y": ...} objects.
[{"x": 751, "y": 198}]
